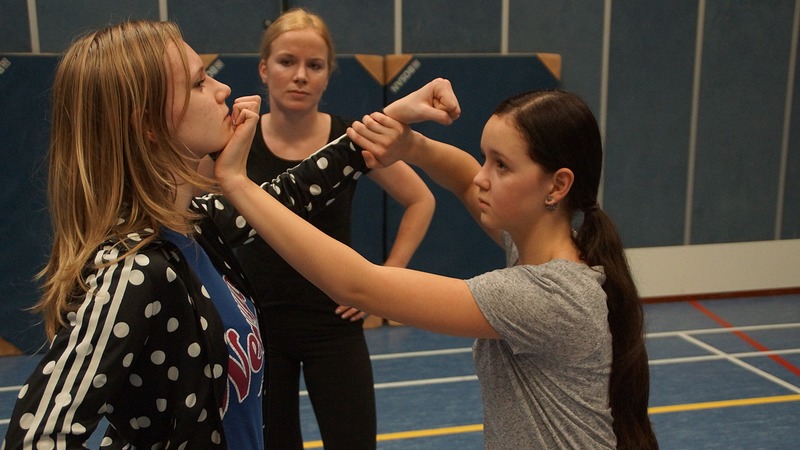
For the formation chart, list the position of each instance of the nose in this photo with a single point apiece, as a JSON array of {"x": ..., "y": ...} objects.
[
  {"x": 481, "y": 180},
  {"x": 223, "y": 91},
  {"x": 300, "y": 74}
]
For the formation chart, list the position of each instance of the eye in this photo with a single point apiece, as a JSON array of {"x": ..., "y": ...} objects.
[{"x": 200, "y": 83}]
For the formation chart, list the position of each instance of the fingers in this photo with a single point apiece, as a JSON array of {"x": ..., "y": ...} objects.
[
  {"x": 371, "y": 161},
  {"x": 369, "y": 147},
  {"x": 239, "y": 145},
  {"x": 383, "y": 137},
  {"x": 382, "y": 125},
  {"x": 353, "y": 314},
  {"x": 377, "y": 129},
  {"x": 444, "y": 99},
  {"x": 247, "y": 103}
]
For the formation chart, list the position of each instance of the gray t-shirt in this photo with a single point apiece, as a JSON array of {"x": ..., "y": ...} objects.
[{"x": 545, "y": 383}]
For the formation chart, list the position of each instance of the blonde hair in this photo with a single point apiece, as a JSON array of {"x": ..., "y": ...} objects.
[
  {"x": 297, "y": 19},
  {"x": 114, "y": 168}
]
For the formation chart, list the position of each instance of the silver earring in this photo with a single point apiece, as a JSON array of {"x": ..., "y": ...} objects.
[{"x": 548, "y": 205}]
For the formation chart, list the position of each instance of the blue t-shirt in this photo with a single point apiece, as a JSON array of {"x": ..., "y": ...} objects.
[{"x": 241, "y": 409}]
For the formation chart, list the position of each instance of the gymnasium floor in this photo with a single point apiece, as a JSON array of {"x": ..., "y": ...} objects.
[{"x": 725, "y": 374}]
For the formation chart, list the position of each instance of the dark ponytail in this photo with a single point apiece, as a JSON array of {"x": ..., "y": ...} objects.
[
  {"x": 563, "y": 133},
  {"x": 629, "y": 388}
]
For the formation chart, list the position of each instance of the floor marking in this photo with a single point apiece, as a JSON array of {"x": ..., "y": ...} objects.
[
  {"x": 724, "y": 404},
  {"x": 754, "y": 343},
  {"x": 777, "y": 326},
  {"x": 653, "y": 410},
  {"x": 743, "y": 364},
  {"x": 448, "y": 351},
  {"x": 705, "y": 358}
]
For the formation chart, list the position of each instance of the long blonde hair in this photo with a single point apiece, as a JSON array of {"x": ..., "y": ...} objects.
[
  {"x": 298, "y": 19},
  {"x": 114, "y": 168}
]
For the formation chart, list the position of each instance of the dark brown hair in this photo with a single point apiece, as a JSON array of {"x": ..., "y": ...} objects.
[{"x": 562, "y": 133}]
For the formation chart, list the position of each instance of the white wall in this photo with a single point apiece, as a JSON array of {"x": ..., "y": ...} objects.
[{"x": 715, "y": 268}]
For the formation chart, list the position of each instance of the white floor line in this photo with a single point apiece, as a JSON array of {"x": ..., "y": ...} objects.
[
  {"x": 776, "y": 326},
  {"x": 692, "y": 359},
  {"x": 742, "y": 364},
  {"x": 447, "y": 351}
]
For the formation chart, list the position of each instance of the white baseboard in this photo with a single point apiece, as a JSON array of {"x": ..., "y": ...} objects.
[{"x": 715, "y": 268}]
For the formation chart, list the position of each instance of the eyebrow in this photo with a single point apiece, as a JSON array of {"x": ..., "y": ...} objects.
[
  {"x": 198, "y": 73},
  {"x": 494, "y": 153}
]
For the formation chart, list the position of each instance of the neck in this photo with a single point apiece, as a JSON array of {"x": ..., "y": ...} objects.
[
  {"x": 289, "y": 124},
  {"x": 295, "y": 136},
  {"x": 186, "y": 191},
  {"x": 184, "y": 196},
  {"x": 540, "y": 244}
]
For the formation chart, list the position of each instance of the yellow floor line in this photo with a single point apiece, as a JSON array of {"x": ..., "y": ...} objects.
[
  {"x": 724, "y": 404},
  {"x": 652, "y": 410}
]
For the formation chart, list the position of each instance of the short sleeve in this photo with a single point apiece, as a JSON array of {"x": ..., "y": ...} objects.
[{"x": 553, "y": 308}]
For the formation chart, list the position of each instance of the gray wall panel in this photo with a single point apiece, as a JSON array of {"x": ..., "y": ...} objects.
[
  {"x": 790, "y": 226},
  {"x": 232, "y": 26},
  {"x": 436, "y": 26},
  {"x": 742, "y": 102},
  {"x": 61, "y": 21},
  {"x": 14, "y": 29},
  {"x": 649, "y": 115},
  {"x": 357, "y": 26},
  {"x": 571, "y": 28}
]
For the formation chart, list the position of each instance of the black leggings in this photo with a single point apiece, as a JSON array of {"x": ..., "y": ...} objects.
[{"x": 338, "y": 377}]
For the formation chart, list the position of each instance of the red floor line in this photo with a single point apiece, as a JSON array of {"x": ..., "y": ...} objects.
[{"x": 757, "y": 345}]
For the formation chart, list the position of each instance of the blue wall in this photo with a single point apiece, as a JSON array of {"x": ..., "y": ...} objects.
[
  {"x": 710, "y": 137},
  {"x": 698, "y": 99}
]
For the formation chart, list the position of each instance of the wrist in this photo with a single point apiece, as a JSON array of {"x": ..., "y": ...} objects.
[
  {"x": 392, "y": 111},
  {"x": 417, "y": 147},
  {"x": 231, "y": 185}
]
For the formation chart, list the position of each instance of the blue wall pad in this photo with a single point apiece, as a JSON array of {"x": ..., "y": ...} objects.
[{"x": 25, "y": 83}]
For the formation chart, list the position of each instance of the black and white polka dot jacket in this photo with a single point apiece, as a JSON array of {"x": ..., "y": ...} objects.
[{"x": 146, "y": 349}]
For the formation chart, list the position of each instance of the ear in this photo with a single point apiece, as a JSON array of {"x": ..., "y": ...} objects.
[
  {"x": 562, "y": 182},
  {"x": 262, "y": 71},
  {"x": 149, "y": 134}
]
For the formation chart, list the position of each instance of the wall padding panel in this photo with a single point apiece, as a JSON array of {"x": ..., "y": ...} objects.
[{"x": 25, "y": 83}]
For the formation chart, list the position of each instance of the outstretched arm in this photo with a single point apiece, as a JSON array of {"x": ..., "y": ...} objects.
[
  {"x": 415, "y": 298},
  {"x": 420, "y": 299}
]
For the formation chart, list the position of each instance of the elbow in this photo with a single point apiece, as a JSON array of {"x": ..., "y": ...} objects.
[{"x": 428, "y": 205}]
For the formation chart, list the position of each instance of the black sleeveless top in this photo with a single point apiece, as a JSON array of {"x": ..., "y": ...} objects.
[{"x": 291, "y": 305}]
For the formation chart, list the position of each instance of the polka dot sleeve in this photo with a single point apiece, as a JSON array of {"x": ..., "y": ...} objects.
[{"x": 305, "y": 189}]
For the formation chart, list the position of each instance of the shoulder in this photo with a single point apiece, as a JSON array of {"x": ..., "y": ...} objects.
[
  {"x": 149, "y": 268},
  {"x": 558, "y": 277},
  {"x": 529, "y": 306},
  {"x": 559, "y": 287}
]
